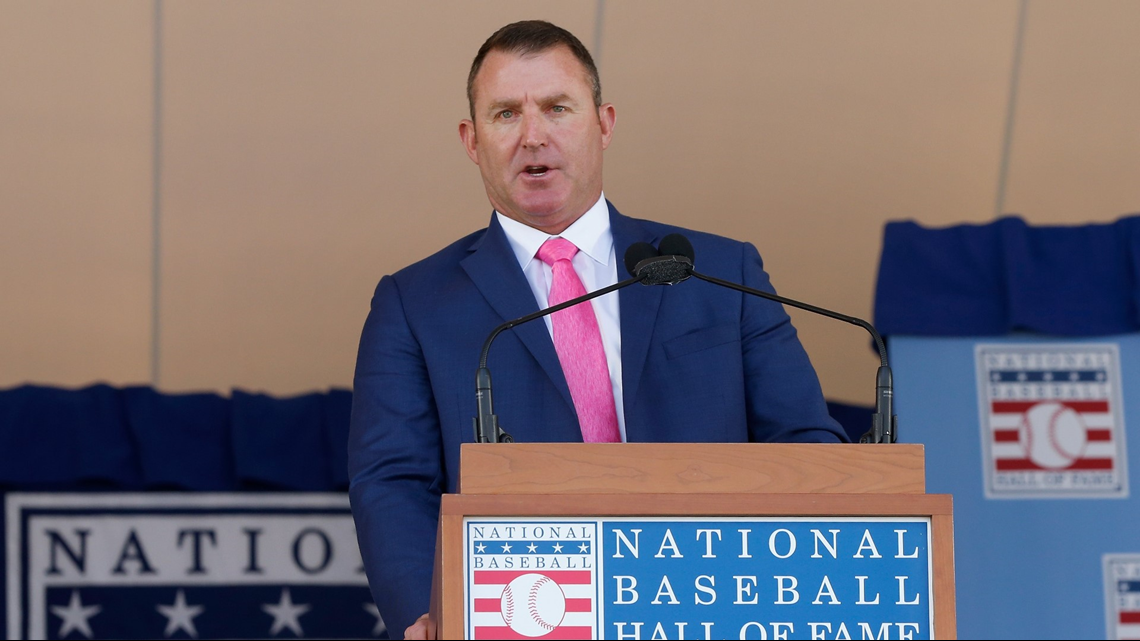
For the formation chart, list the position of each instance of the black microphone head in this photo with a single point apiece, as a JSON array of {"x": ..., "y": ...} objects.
[
  {"x": 636, "y": 253},
  {"x": 677, "y": 245},
  {"x": 663, "y": 270}
]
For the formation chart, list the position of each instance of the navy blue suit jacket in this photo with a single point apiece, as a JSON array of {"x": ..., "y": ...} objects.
[{"x": 699, "y": 363}]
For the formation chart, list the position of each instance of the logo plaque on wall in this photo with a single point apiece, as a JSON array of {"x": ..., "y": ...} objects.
[
  {"x": 1122, "y": 596},
  {"x": 1052, "y": 420}
]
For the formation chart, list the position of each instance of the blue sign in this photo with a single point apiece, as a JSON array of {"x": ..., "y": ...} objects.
[{"x": 699, "y": 578}]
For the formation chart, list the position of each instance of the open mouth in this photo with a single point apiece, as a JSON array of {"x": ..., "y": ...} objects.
[{"x": 536, "y": 170}]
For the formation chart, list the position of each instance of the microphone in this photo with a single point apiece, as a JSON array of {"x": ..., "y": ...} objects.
[
  {"x": 669, "y": 265},
  {"x": 679, "y": 245},
  {"x": 884, "y": 423},
  {"x": 638, "y": 253},
  {"x": 487, "y": 428}
]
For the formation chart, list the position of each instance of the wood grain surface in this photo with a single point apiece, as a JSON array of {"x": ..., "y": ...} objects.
[{"x": 688, "y": 468}]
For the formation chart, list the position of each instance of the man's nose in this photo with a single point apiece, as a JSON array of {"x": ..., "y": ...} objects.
[{"x": 534, "y": 131}]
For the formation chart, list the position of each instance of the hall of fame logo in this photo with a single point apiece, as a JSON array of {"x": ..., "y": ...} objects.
[
  {"x": 528, "y": 579},
  {"x": 1052, "y": 421},
  {"x": 743, "y": 577},
  {"x": 1122, "y": 596}
]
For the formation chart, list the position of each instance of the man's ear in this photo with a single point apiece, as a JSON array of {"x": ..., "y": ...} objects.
[
  {"x": 607, "y": 117},
  {"x": 467, "y": 135}
]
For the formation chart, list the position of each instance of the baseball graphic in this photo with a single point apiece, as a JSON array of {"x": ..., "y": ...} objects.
[
  {"x": 533, "y": 605},
  {"x": 1053, "y": 435}
]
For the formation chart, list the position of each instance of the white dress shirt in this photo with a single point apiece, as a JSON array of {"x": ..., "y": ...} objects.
[{"x": 596, "y": 264}]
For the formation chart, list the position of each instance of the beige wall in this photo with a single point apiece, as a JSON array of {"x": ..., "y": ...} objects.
[
  {"x": 304, "y": 149},
  {"x": 75, "y": 191}
]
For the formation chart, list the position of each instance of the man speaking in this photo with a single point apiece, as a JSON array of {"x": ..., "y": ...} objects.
[{"x": 693, "y": 362}]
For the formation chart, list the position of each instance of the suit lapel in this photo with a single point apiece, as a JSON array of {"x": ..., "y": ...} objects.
[
  {"x": 638, "y": 305},
  {"x": 492, "y": 266}
]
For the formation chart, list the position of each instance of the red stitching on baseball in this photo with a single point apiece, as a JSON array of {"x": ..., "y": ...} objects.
[
  {"x": 532, "y": 602},
  {"x": 508, "y": 605},
  {"x": 1057, "y": 445}
]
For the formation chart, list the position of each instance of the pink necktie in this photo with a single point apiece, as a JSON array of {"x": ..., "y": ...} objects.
[{"x": 578, "y": 342}]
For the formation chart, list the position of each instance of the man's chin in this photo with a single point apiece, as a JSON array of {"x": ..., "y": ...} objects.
[
  {"x": 545, "y": 211},
  {"x": 541, "y": 205}
]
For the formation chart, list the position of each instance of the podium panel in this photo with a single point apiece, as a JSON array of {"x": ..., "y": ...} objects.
[{"x": 607, "y": 559}]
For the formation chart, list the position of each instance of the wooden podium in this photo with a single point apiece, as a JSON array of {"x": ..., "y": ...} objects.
[{"x": 684, "y": 480}]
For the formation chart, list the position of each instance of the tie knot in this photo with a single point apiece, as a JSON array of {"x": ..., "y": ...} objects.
[{"x": 556, "y": 249}]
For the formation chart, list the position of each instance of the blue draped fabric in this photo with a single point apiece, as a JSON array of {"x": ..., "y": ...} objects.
[
  {"x": 54, "y": 438},
  {"x": 338, "y": 406},
  {"x": 183, "y": 440},
  {"x": 101, "y": 437},
  {"x": 280, "y": 443},
  {"x": 855, "y": 419},
  {"x": 1008, "y": 276}
]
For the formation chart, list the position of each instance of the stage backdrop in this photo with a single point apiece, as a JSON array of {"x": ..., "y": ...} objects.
[{"x": 1016, "y": 357}]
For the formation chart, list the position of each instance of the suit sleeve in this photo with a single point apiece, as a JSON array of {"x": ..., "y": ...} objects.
[
  {"x": 395, "y": 462},
  {"x": 783, "y": 396}
]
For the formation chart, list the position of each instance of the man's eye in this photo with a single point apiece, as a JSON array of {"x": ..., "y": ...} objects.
[
  {"x": 558, "y": 109},
  {"x": 506, "y": 114}
]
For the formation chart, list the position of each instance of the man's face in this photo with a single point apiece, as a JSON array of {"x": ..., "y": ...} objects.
[{"x": 537, "y": 137}]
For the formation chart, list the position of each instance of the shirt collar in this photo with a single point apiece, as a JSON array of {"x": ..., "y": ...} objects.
[{"x": 591, "y": 234}]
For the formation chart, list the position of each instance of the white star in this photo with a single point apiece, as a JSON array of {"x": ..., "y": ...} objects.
[
  {"x": 480, "y": 548},
  {"x": 379, "y": 628},
  {"x": 75, "y": 616},
  {"x": 532, "y": 548},
  {"x": 285, "y": 614},
  {"x": 506, "y": 547},
  {"x": 180, "y": 616},
  {"x": 557, "y": 548},
  {"x": 585, "y": 547}
]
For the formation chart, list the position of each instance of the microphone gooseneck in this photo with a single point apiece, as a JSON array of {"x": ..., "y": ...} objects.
[
  {"x": 669, "y": 264},
  {"x": 884, "y": 423},
  {"x": 487, "y": 429}
]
